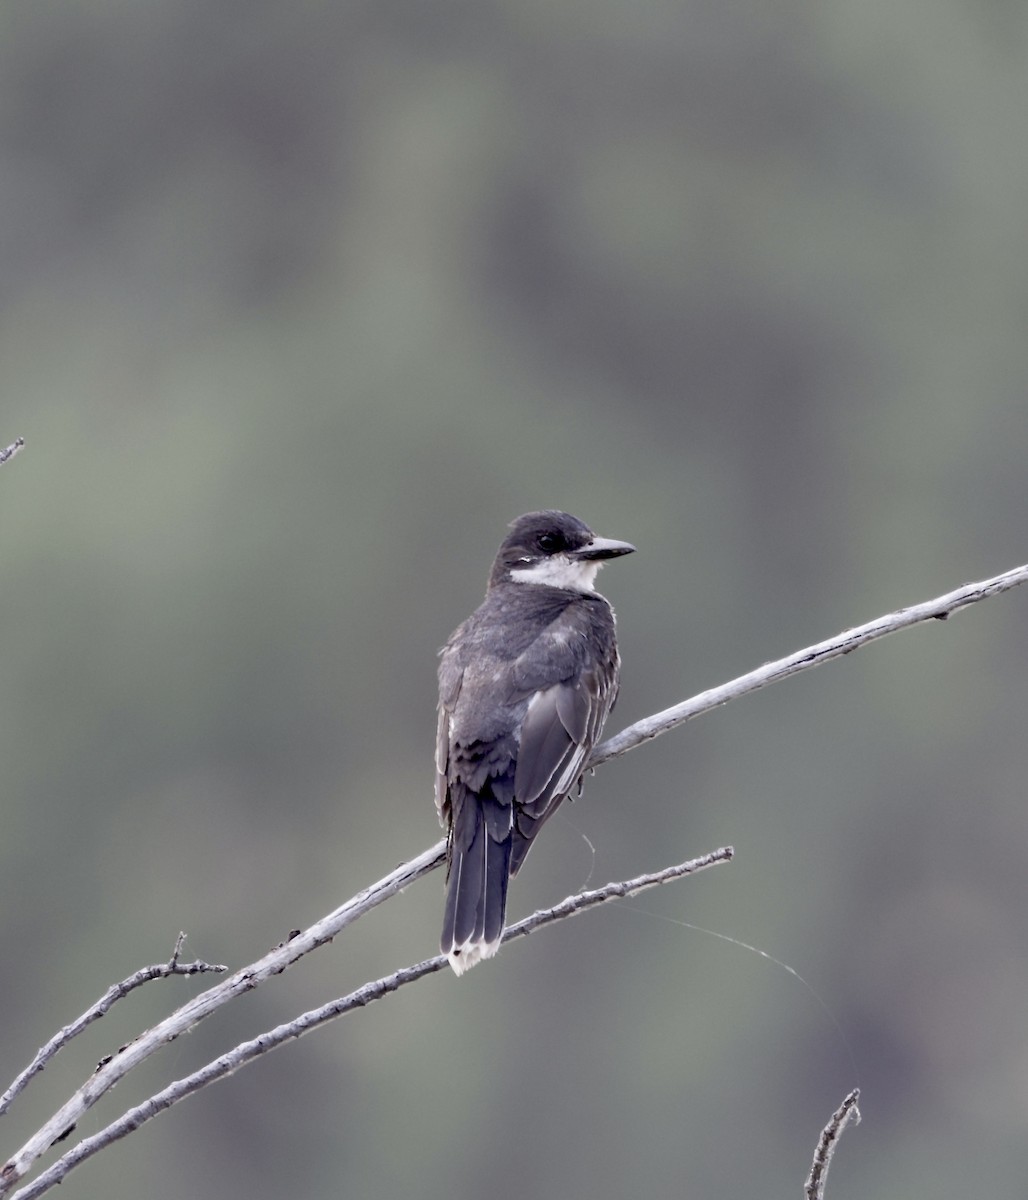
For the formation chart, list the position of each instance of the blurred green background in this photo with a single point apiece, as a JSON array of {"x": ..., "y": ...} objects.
[{"x": 300, "y": 304}]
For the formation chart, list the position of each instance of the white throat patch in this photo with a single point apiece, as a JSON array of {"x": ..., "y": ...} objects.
[{"x": 560, "y": 571}]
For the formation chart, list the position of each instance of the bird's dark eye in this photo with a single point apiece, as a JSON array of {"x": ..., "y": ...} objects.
[{"x": 550, "y": 543}]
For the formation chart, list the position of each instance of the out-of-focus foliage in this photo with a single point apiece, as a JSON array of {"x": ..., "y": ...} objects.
[{"x": 299, "y": 305}]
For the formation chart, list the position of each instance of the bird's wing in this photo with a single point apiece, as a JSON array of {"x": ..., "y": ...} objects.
[
  {"x": 559, "y": 731},
  {"x": 451, "y": 676},
  {"x": 563, "y": 721}
]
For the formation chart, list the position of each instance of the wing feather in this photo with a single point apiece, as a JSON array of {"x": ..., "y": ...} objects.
[
  {"x": 450, "y": 678},
  {"x": 546, "y": 752},
  {"x": 560, "y": 729}
]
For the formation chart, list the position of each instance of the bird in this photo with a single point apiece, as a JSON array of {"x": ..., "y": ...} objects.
[{"x": 525, "y": 686}]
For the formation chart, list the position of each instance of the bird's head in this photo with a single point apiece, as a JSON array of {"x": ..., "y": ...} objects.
[{"x": 554, "y": 549}]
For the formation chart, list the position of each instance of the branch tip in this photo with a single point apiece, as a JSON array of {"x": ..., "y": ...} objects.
[
  {"x": 11, "y": 450},
  {"x": 843, "y": 1115}
]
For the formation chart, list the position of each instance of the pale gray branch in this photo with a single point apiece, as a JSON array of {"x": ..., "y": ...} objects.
[
  {"x": 247, "y": 1051},
  {"x": 199, "y": 1007},
  {"x": 102, "y": 1006},
  {"x": 846, "y": 1112},
  {"x": 813, "y": 656}
]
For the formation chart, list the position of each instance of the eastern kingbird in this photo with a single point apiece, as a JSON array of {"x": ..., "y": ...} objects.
[{"x": 525, "y": 685}]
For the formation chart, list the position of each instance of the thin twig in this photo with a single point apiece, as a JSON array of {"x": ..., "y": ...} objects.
[
  {"x": 227, "y": 1063},
  {"x": 180, "y": 941},
  {"x": 847, "y": 1111},
  {"x": 813, "y": 656},
  {"x": 101, "y": 1008},
  {"x": 11, "y": 450}
]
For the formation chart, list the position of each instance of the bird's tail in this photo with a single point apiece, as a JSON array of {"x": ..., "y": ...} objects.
[{"x": 476, "y": 883}]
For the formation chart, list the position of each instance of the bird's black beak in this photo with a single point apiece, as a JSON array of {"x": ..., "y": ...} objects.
[{"x": 601, "y": 548}]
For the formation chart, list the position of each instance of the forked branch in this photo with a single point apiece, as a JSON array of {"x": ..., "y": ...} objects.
[
  {"x": 246, "y": 1052},
  {"x": 323, "y": 931}
]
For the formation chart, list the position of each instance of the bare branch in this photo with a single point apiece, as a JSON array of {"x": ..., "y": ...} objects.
[
  {"x": 813, "y": 656},
  {"x": 847, "y": 1111},
  {"x": 284, "y": 955},
  {"x": 99, "y": 1009},
  {"x": 201, "y": 1006},
  {"x": 11, "y": 450},
  {"x": 615, "y": 891},
  {"x": 227, "y": 1063}
]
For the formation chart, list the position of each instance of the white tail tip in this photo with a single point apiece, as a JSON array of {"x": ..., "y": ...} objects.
[{"x": 463, "y": 958}]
